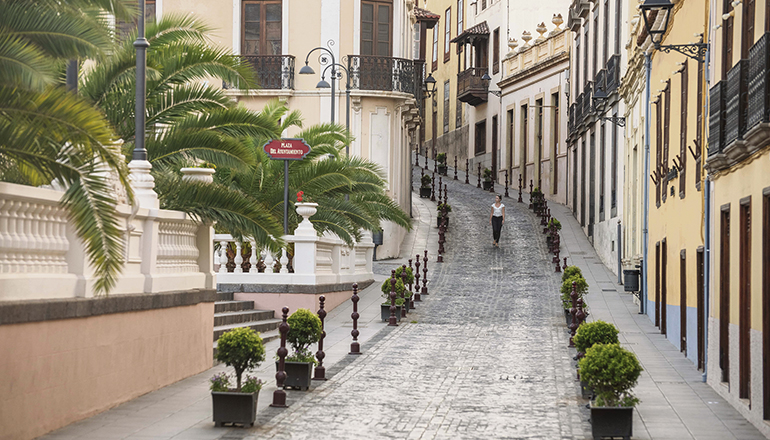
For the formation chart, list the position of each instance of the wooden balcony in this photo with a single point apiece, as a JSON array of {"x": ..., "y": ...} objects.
[{"x": 471, "y": 88}]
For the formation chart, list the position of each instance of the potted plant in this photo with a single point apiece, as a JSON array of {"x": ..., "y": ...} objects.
[
  {"x": 439, "y": 213},
  {"x": 556, "y": 224},
  {"x": 242, "y": 349},
  {"x": 385, "y": 306},
  {"x": 425, "y": 182},
  {"x": 588, "y": 335},
  {"x": 611, "y": 372},
  {"x": 571, "y": 271},
  {"x": 487, "y": 179},
  {"x": 442, "y": 168},
  {"x": 304, "y": 330},
  {"x": 566, "y": 291}
]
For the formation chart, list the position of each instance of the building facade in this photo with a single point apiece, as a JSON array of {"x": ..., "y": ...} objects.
[
  {"x": 597, "y": 63},
  {"x": 373, "y": 40},
  {"x": 534, "y": 87},
  {"x": 739, "y": 167}
]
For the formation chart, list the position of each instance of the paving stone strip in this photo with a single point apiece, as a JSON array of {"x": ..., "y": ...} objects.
[{"x": 483, "y": 356}]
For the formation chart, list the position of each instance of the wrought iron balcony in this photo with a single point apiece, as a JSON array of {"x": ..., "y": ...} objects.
[
  {"x": 759, "y": 85},
  {"x": 471, "y": 88},
  {"x": 601, "y": 80},
  {"x": 613, "y": 73},
  {"x": 388, "y": 74},
  {"x": 736, "y": 104},
  {"x": 716, "y": 119},
  {"x": 579, "y": 110},
  {"x": 571, "y": 119},
  {"x": 274, "y": 72}
]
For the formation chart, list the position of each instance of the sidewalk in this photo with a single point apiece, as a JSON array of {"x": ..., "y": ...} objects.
[
  {"x": 675, "y": 402},
  {"x": 183, "y": 410}
]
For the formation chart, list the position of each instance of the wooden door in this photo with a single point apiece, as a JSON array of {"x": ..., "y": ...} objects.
[
  {"x": 744, "y": 302},
  {"x": 683, "y": 302},
  {"x": 657, "y": 284},
  {"x": 663, "y": 286},
  {"x": 724, "y": 296},
  {"x": 700, "y": 307}
]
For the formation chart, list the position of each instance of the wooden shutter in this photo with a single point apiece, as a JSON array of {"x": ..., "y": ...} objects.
[
  {"x": 744, "y": 300},
  {"x": 261, "y": 23},
  {"x": 727, "y": 39},
  {"x": 683, "y": 130},
  {"x": 496, "y": 51},
  {"x": 376, "y": 28},
  {"x": 747, "y": 31},
  {"x": 724, "y": 294}
]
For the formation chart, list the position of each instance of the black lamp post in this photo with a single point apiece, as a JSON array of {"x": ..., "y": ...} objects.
[
  {"x": 307, "y": 70},
  {"x": 336, "y": 75},
  {"x": 599, "y": 103},
  {"x": 696, "y": 51},
  {"x": 141, "y": 45},
  {"x": 429, "y": 88}
]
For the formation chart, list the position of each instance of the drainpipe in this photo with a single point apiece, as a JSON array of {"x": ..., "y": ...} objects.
[
  {"x": 620, "y": 257},
  {"x": 707, "y": 225},
  {"x": 646, "y": 204}
]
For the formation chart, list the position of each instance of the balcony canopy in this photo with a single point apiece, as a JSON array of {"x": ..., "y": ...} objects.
[
  {"x": 480, "y": 31},
  {"x": 424, "y": 15}
]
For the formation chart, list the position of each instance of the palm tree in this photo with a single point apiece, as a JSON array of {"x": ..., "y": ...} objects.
[{"x": 48, "y": 134}]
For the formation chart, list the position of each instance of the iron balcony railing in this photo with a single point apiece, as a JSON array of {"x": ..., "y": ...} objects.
[
  {"x": 579, "y": 110},
  {"x": 759, "y": 83},
  {"x": 736, "y": 104},
  {"x": 613, "y": 73},
  {"x": 571, "y": 119},
  {"x": 717, "y": 118},
  {"x": 601, "y": 81},
  {"x": 368, "y": 72},
  {"x": 587, "y": 95},
  {"x": 273, "y": 72}
]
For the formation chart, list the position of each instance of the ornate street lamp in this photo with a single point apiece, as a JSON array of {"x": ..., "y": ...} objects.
[
  {"x": 696, "y": 51},
  {"x": 430, "y": 85},
  {"x": 600, "y": 102},
  {"x": 307, "y": 70}
]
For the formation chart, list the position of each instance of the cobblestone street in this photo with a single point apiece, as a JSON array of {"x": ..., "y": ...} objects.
[{"x": 484, "y": 356}]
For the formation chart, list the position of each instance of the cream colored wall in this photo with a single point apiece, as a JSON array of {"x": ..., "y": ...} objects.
[
  {"x": 214, "y": 14},
  {"x": 679, "y": 221},
  {"x": 57, "y": 372}
]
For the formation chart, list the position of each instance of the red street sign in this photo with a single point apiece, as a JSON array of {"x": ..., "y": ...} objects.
[{"x": 287, "y": 149}]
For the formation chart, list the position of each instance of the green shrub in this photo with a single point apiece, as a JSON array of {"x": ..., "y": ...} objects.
[
  {"x": 555, "y": 223},
  {"x": 304, "y": 329},
  {"x": 251, "y": 384},
  {"x": 302, "y": 356},
  {"x": 409, "y": 276},
  {"x": 566, "y": 290},
  {"x": 399, "y": 286},
  {"x": 441, "y": 158},
  {"x": 426, "y": 180},
  {"x": 487, "y": 175},
  {"x": 611, "y": 372},
  {"x": 571, "y": 271},
  {"x": 441, "y": 205},
  {"x": 242, "y": 349},
  {"x": 596, "y": 332}
]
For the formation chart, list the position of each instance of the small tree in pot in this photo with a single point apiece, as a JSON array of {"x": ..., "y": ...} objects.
[
  {"x": 588, "y": 335},
  {"x": 385, "y": 306},
  {"x": 304, "y": 330},
  {"x": 242, "y": 349},
  {"x": 487, "y": 179},
  {"x": 425, "y": 182},
  {"x": 439, "y": 213},
  {"x": 566, "y": 290},
  {"x": 611, "y": 372},
  {"x": 442, "y": 167}
]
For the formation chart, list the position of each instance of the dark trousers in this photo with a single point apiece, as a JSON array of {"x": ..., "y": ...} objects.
[{"x": 497, "y": 225}]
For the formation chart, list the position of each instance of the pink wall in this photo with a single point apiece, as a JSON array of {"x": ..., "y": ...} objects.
[
  {"x": 294, "y": 301},
  {"x": 53, "y": 373}
]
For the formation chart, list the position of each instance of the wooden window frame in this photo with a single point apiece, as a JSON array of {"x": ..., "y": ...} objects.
[
  {"x": 701, "y": 305},
  {"x": 375, "y": 42},
  {"x": 577, "y": 62},
  {"x": 447, "y": 33},
  {"x": 618, "y": 25},
  {"x": 446, "y": 106},
  {"x": 436, "y": 30},
  {"x": 727, "y": 38},
  {"x": 766, "y": 302},
  {"x": 511, "y": 132},
  {"x": 496, "y": 51},
  {"x": 614, "y": 172},
  {"x": 480, "y": 145},
  {"x": 744, "y": 299},
  {"x": 595, "y": 58},
  {"x": 459, "y": 114},
  {"x": 666, "y": 136},
  {"x": 495, "y": 140},
  {"x": 602, "y": 168},
  {"x": 683, "y": 104},
  {"x": 658, "y": 148},
  {"x": 263, "y": 41},
  {"x": 524, "y": 139},
  {"x": 555, "y": 142},
  {"x": 460, "y": 19},
  {"x": 724, "y": 294},
  {"x": 606, "y": 33}
]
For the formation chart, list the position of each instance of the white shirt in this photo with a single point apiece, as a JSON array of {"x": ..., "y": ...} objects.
[{"x": 497, "y": 212}]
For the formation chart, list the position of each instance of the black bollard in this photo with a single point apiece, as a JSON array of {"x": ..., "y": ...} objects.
[
  {"x": 581, "y": 314},
  {"x": 425, "y": 274},
  {"x": 279, "y": 395},
  {"x": 573, "y": 311},
  {"x": 478, "y": 185},
  {"x": 320, "y": 370},
  {"x": 506, "y": 183},
  {"x": 417, "y": 158},
  {"x": 441, "y": 237},
  {"x": 440, "y": 186},
  {"x": 355, "y": 347},
  {"x": 565, "y": 264},
  {"x": 411, "y": 286},
  {"x": 445, "y": 197},
  {"x": 426, "y": 158},
  {"x": 435, "y": 162},
  {"x": 403, "y": 292},
  {"x": 455, "y": 167},
  {"x": 466, "y": 171},
  {"x": 520, "y": 200},
  {"x": 433, "y": 188},
  {"x": 416, "y": 291},
  {"x": 392, "y": 321}
]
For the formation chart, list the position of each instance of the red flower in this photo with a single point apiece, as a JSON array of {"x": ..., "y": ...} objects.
[{"x": 299, "y": 195}]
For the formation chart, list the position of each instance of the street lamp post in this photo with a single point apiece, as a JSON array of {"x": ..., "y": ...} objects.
[
  {"x": 696, "y": 51},
  {"x": 600, "y": 102},
  {"x": 336, "y": 75},
  {"x": 307, "y": 70},
  {"x": 429, "y": 88}
]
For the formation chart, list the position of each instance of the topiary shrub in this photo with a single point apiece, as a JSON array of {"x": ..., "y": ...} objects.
[
  {"x": 596, "y": 332},
  {"x": 425, "y": 181},
  {"x": 304, "y": 329},
  {"x": 487, "y": 175},
  {"x": 566, "y": 290},
  {"x": 556, "y": 224},
  {"x": 399, "y": 289},
  {"x": 409, "y": 276},
  {"x": 440, "y": 206},
  {"x": 570, "y": 272},
  {"x": 611, "y": 372},
  {"x": 242, "y": 349},
  {"x": 441, "y": 158}
]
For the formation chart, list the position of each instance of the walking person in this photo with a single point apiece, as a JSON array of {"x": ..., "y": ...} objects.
[{"x": 496, "y": 219}]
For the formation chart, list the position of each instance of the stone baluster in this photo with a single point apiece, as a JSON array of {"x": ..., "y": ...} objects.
[
  {"x": 417, "y": 279},
  {"x": 238, "y": 260},
  {"x": 392, "y": 321},
  {"x": 269, "y": 261},
  {"x": 355, "y": 347},
  {"x": 284, "y": 262},
  {"x": 222, "y": 257},
  {"x": 279, "y": 395},
  {"x": 254, "y": 259},
  {"x": 320, "y": 370}
]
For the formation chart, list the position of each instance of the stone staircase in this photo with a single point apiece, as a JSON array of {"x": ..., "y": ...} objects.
[{"x": 230, "y": 314}]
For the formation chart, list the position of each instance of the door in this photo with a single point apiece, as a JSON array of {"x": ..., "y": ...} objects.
[
  {"x": 701, "y": 308},
  {"x": 657, "y": 284},
  {"x": 744, "y": 301},
  {"x": 663, "y": 286},
  {"x": 262, "y": 23},
  {"x": 376, "y": 68},
  {"x": 683, "y": 302},
  {"x": 724, "y": 296}
]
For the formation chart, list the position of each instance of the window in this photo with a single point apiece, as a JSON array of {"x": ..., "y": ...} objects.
[
  {"x": 577, "y": 63},
  {"x": 460, "y": 13},
  {"x": 510, "y": 130},
  {"x": 447, "y": 33},
  {"x": 483, "y": 4},
  {"x": 539, "y": 141},
  {"x": 585, "y": 55},
  {"x": 766, "y": 302},
  {"x": 747, "y": 37},
  {"x": 663, "y": 287},
  {"x": 376, "y": 29},
  {"x": 658, "y": 149},
  {"x": 744, "y": 300},
  {"x": 459, "y": 114},
  {"x": 701, "y": 307},
  {"x": 435, "y": 46},
  {"x": 657, "y": 284},
  {"x": 416, "y": 45},
  {"x": 555, "y": 142},
  {"x": 596, "y": 44},
  {"x": 724, "y": 294},
  {"x": 123, "y": 29},
  {"x": 496, "y": 51},
  {"x": 683, "y": 104},
  {"x": 480, "y": 146},
  {"x": 261, "y": 28},
  {"x": 727, "y": 39},
  {"x": 614, "y": 172},
  {"x": 494, "y": 146},
  {"x": 618, "y": 8},
  {"x": 446, "y": 106},
  {"x": 699, "y": 127},
  {"x": 524, "y": 144},
  {"x": 606, "y": 32}
]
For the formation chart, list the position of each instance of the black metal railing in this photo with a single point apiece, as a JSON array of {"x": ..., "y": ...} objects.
[
  {"x": 613, "y": 73},
  {"x": 587, "y": 95},
  {"x": 600, "y": 80},
  {"x": 737, "y": 102},
  {"x": 716, "y": 118},
  {"x": 419, "y": 80},
  {"x": 578, "y": 110},
  {"x": 759, "y": 82},
  {"x": 571, "y": 119},
  {"x": 368, "y": 72},
  {"x": 273, "y": 71}
]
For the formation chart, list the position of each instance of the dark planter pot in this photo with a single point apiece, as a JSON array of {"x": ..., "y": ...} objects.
[
  {"x": 568, "y": 317},
  {"x": 385, "y": 312},
  {"x": 237, "y": 408},
  {"x": 612, "y": 422},
  {"x": 585, "y": 391},
  {"x": 442, "y": 169},
  {"x": 298, "y": 374},
  {"x": 486, "y": 185},
  {"x": 424, "y": 192},
  {"x": 438, "y": 222},
  {"x": 406, "y": 304}
]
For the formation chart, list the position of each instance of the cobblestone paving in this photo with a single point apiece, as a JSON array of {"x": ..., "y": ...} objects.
[{"x": 484, "y": 356}]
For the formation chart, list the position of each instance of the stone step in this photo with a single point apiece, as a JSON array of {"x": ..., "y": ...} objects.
[
  {"x": 233, "y": 306},
  {"x": 224, "y": 296},
  {"x": 263, "y": 326},
  {"x": 266, "y": 337},
  {"x": 241, "y": 316}
]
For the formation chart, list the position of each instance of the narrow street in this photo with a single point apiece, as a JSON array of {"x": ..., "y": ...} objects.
[{"x": 484, "y": 356}]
